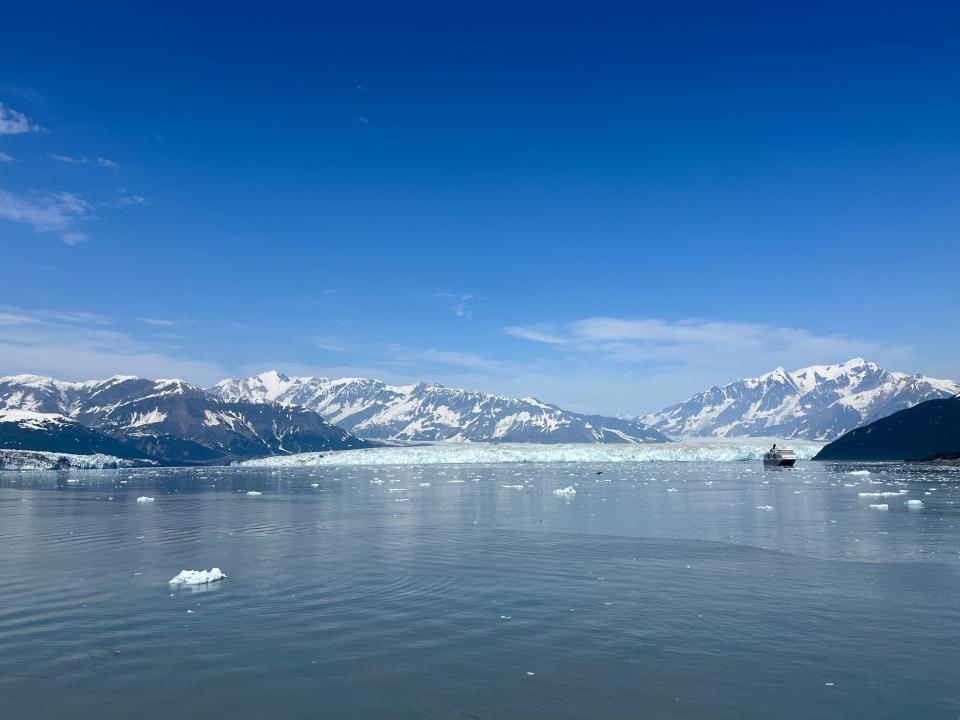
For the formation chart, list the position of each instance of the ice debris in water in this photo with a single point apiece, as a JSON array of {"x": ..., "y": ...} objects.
[
  {"x": 198, "y": 577},
  {"x": 880, "y": 506},
  {"x": 859, "y": 472},
  {"x": 144, "y": 499},
  {"x": 914, "y": 504},
  {"x": 888, "y": 493},
  {"x": 254, "y": 493},
  {"x": 764, "y": 507},
  {"x": 512, "y": 487},
  {"x": 567, "y": 491}
]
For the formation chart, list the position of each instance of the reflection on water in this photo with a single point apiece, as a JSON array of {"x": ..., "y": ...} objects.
[{"x": 659, "y": 589}]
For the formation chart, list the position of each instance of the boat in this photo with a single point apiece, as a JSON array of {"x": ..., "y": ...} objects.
[{"x": 779, "y": 458}]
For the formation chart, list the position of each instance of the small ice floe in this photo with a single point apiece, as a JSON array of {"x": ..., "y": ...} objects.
[
  {"x": 914, "y": 504},
  {"x": 568, "y": 491},
  {"x": 145, "y": 499},
  {"x": 764, "y": 507},
  {"x": 72, "y": 480},
  {"x": 314, "y": 485},
  {"x": 455, "y": 482},
  {"x": 424, "y": 484},
  {"x": 254, "y": 493},
  {"x": 859, "y": 472},
  {"x": 672, "y": 490},
  {"x": 879, "y": 506},
  {"x": 198, "y": 577},
  {"x": 888, "y": 493},
  {"x": 512, "y": 487},
  {"x": 401, "y": 499}
]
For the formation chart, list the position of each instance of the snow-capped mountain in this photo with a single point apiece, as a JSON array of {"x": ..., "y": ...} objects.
[
  {"x": 167, "y": 420},
  {"x": 815, "y": 403},
  {"x": 373, "y": 409}
]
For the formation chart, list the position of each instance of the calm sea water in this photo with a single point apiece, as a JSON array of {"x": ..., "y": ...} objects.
[{"x": 660, "y": 590}]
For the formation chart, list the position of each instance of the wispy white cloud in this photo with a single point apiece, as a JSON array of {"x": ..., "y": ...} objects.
[
  {"x": 74, "y": 160},
  {"x": 461, "y": 304},
  {"x": 653, "y": 340},
  {"x": 4, "y": 157},
  {"x": 46, "y": 212},
  {"x": 658, "y": 362},
  {"x": 158, "y": 322},
  {"x": 80, "y": 346},
  {"x": 126, "y": 200},
  {"x": 330, "y": 343},
  {"x": 15, "y": 123},
  {"x": 74, "y": 237},
  {"x": 67, "y": 159}
]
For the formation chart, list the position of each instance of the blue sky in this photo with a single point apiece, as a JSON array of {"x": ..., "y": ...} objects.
[{"x": 605, "y": 206}]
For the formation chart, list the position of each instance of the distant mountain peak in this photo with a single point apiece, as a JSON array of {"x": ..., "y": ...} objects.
[
  {"x": 819, "y": 402},
  {"x": 431, "y": 412}
]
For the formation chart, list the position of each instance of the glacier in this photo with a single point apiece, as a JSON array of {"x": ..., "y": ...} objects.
[
  {"x": 44, "y": 460},
  {"x": 686, "y": 450}
]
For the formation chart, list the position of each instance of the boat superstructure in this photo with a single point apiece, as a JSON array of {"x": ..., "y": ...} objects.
[{"x": 779, "y": 458}]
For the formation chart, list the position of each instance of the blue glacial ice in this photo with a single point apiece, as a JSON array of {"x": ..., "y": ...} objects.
[{"x": 687, "y": 450}]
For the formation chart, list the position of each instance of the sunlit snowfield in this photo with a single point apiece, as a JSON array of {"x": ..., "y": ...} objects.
[{"x": 659, "y": 589}]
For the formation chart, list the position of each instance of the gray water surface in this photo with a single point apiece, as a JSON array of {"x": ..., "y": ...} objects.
[{"x": 660, "y": 590}]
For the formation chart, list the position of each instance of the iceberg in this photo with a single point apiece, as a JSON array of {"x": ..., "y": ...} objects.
[
  {"x": 145, "y": 499},
  {"x": 198, "y": 577},
  {"x": 567, "y": 491},
  {"x": 454, "y": 453},
  {"x": 914, "y": 504},
  {"x": 879, "y": 506}
]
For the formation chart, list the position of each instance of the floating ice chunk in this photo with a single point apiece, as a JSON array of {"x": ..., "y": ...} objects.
[
  {"x": 198, "y": 577},
  {"x": 314, "y": 484},
  {"x": 426, "y": 484},
  {"x": 672, "y": 490},
  {"x": 254, "y": 493},
  {"x": 880, "y": 506},
  {"x": 764, "y": 507},
  {"x": 565, "y": 492},
  {"x": 512, "y": 487},
  {"x": 914, "y": 504},
  {"x": 145, "y": 499},
  {"x": 859, "y": 472}
]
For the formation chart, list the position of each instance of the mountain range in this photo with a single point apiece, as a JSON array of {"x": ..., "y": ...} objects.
[
  {"x": 169, "y": 421},
  {"x": 430, "y": 412},
  {"x": 820, "y": 402}
]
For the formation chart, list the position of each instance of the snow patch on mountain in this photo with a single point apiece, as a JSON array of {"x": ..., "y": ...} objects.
[
  {"x": 431, "y": 412},
  {"x": 820, "y": 402}
]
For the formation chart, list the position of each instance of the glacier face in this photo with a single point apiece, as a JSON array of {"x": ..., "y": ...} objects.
[
  {"x": 422, "y": 412},
  {"x": 817, "y": 403},
  {"x": 37, "y": 460},
  {"x": 686, "y": 450},
  {"x": 168, "y": 420}
]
